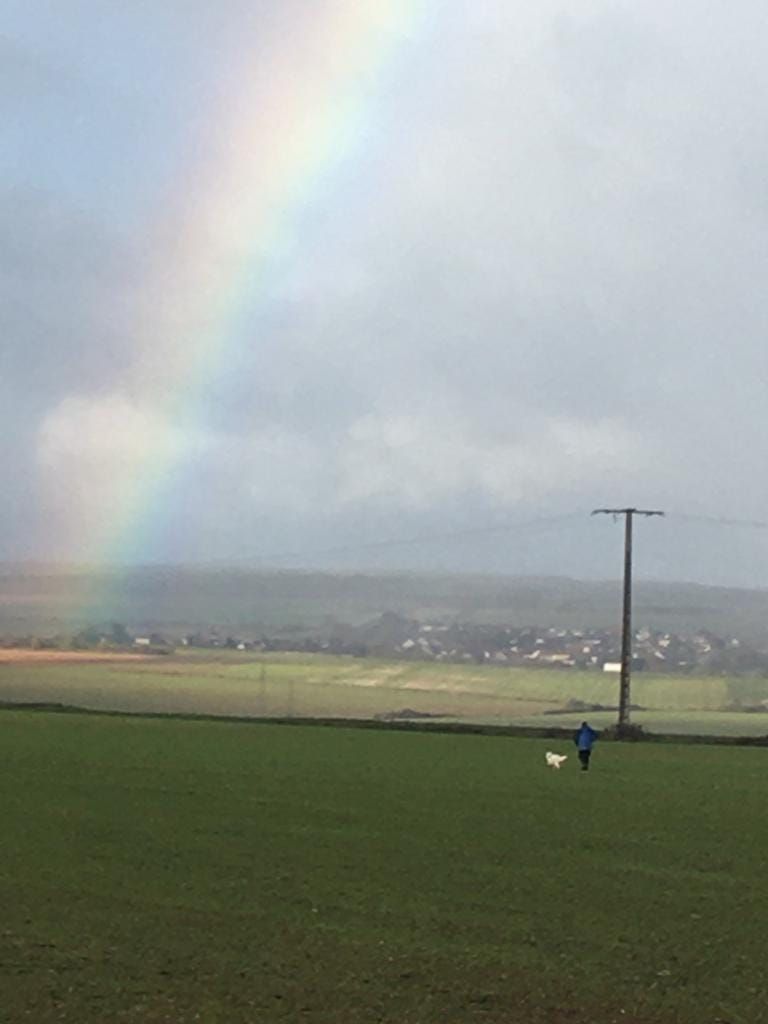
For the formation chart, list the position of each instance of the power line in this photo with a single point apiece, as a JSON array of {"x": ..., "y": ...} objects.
[
  {"x": 541, "y": 523},
  {"x": 687, "y": 517},
  {"x": 532, "y": 525}
]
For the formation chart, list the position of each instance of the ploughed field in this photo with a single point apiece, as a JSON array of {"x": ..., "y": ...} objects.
[{"x": 166, "y": 870}]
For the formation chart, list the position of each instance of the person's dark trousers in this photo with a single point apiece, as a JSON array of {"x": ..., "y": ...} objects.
[{"x": 584, "y": 758}]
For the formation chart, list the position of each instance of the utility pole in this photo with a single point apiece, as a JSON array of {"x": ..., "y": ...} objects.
[{"x": 626, "y": 617}]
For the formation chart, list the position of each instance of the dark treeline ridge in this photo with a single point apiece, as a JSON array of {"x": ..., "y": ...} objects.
[{"x": 38, "y": 599}]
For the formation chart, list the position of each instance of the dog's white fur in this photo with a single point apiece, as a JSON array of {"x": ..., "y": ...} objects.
[{"x": 555, "y": 760}]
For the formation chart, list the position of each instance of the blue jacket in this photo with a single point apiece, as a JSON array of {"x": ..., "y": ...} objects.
[{"x": 584, "y": 737}]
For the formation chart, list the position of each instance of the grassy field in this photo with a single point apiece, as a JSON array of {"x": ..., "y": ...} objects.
[
  {"x": 199, "y": 871},
  {"x": 244, "y": 684}
]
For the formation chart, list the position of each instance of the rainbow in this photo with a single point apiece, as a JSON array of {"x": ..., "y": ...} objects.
[{"x": 282, "y": 131}]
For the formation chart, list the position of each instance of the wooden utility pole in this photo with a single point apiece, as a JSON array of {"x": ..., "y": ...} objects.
[{"x": 626, "y": 617}]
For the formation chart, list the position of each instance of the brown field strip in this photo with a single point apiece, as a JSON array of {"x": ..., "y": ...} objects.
[{"x": 19, "y": 655}]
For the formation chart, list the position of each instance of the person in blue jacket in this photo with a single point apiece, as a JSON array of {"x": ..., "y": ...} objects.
[{"x": 584, "y": 738}]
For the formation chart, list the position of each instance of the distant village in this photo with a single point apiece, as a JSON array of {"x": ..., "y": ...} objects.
[{"x": 393, "y": 636}]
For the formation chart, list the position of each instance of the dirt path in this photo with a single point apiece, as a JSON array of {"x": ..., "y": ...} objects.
[{"x": 20, "y": 655}]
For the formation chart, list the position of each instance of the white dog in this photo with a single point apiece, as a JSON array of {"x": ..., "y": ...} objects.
[{"x": 555, "y": 760}]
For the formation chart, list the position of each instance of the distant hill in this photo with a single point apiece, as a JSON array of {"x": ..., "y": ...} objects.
[{"x": 44, "y": 599}]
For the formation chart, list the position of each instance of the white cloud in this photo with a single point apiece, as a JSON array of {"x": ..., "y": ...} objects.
[
  {"x": 95, "y": 454},
  {"x": 100, "y": 432},
  {"x": 416, "y": 460}
]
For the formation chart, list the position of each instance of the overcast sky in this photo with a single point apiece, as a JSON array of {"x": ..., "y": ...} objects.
[{"x": 528, "y": 281}]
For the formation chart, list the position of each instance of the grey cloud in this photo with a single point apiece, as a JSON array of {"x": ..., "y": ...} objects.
[
  {"x": 26, "y": 78},
  {"x": 553, "y": 236},
  {"x": 66, "y": 283}
]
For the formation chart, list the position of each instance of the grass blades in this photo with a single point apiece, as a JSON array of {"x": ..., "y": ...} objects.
[{"x": 182, "y": 871}]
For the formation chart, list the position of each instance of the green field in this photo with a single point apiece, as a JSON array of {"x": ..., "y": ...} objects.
[
  {"x": 162, "y": 870},
  {"x": 294, "y": 685}
]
